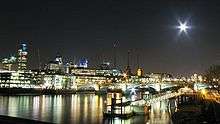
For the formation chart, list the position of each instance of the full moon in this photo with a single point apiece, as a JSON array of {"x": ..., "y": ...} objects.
[{"x": 183, "y": 27}]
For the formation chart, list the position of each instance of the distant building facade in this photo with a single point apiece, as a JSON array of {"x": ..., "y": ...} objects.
[{"x": 22, "y": 57}]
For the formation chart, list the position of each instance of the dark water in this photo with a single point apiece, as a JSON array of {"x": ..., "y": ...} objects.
[{"x": 77, "y": 108}]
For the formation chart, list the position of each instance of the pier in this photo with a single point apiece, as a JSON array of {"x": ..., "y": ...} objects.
[{"x": 118, "y": 106}]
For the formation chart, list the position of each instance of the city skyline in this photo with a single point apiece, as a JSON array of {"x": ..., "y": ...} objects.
[
  {"x": 77, "y": 29},
  {"x": 110, "y": 61}
]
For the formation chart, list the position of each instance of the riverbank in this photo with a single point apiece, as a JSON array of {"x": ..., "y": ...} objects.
[
  {"x": 15, "y": 120},
  {"x": 188, "y": 114},
  {"x": 195, "y": 113},
  {"x": 33, "y": 91}
]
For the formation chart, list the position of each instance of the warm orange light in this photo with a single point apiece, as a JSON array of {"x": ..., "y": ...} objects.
[{"x": 203, "y": 91}]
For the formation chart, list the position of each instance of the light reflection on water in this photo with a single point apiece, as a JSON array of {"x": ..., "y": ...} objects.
[{"x": 77, "y": 108}]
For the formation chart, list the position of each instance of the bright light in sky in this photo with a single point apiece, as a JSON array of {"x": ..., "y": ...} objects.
[{"x": 183, "y": 27}]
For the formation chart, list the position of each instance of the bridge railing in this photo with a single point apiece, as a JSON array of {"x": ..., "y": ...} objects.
[{"x": 159, "y": 97}]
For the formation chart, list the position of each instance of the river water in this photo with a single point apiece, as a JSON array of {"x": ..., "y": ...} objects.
[{"x": 77, "y": 108}]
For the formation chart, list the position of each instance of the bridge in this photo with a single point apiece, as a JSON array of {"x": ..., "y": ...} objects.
[
  {"x": 154, "y": 99},
  {"x": 162, "y": 96},
  {"x": 125, "y": 86}
]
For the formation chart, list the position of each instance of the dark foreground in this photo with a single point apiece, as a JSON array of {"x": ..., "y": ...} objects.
[
  {"x": 15, "y": 120},
  {"x": 203, "y": 112}
]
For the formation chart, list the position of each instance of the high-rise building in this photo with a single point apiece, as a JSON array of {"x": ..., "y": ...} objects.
[
  {"x": 83, "y": 63},
  {"x": 59, "y": 59},
  {"x": 9, "y": 63},
  {"x": 56, "y": 65},
  {"x": 22, "y": 57}
]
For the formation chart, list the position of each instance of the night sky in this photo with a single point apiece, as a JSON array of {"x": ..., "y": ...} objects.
[{"x": 81, "y": 28}]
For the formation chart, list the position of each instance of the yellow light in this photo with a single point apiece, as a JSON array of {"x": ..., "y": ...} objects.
[
  {"x": 203, "y": 91},
  {"x": 125, "y": 75},
  {"x": 139, "y": 72}
]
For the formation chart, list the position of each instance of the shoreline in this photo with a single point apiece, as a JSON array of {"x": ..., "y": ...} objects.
[
  {"x": 12, "y": 120},
  {"x": 193, "y": 113},
  {"x": 33, "y": 92}
]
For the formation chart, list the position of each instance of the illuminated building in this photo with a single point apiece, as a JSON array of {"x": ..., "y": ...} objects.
[
  {"x": 55, "y": 66},
  {"x": 58, "y": 82},
  {"x": 83, "y": 63},
  {"x": 138, "y": 79},
  {"x": 94, "y": 71},
  {"x": 15, "y": 79},
  {"x": 159, "y": 77},
  {"x": 9, "y": 63},
  {"x": 105, "y": 65},
  {"x": 85, "y": 75},
  {"x": 67, "y": 68},
  {"x": 196, "y": 78},
  {"x": 22, "y": 57},
  {"x": 37, "y": 77},
  {"x": 140, "y": 72},
  {"x": 59, "y": 59},
  {"x": 15, "y": 73}
]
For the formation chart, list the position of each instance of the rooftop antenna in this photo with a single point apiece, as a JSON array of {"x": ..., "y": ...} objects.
[
  {"x": 138, "y": 62},
  {"x": 39, "y": 63},
  {"x": 128, "y": 69},
  {"x": 115, "y": 52},
  {"x": 102, "y": 56},
  {"x": 74, "y": 60},
  {"x": 128, "y": 59}
]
